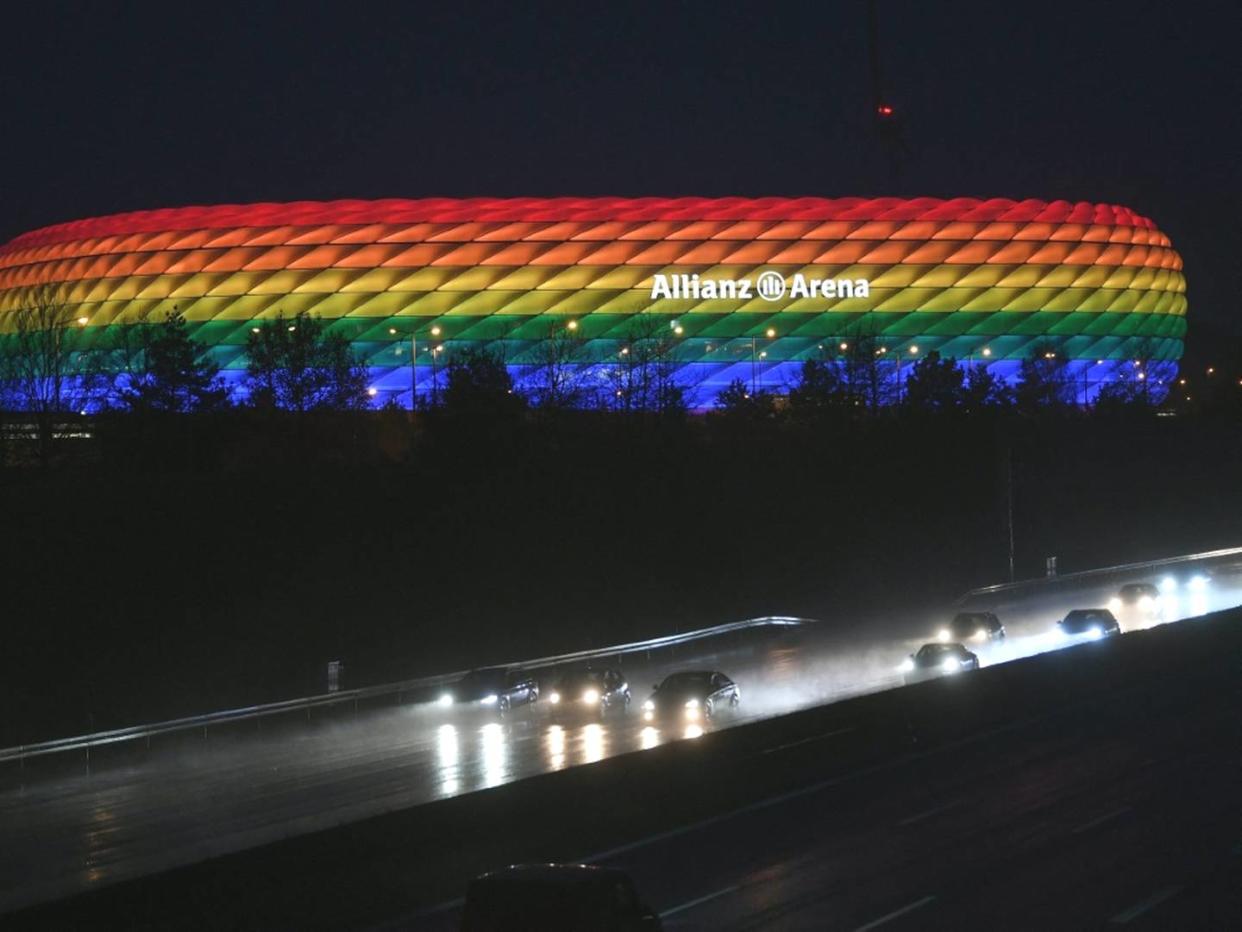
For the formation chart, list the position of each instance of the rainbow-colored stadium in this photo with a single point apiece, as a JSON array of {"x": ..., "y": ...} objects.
[{"x": 983, "y": 281}]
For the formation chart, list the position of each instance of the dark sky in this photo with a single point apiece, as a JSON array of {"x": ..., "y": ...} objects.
[{"x": 110, "y": 107}]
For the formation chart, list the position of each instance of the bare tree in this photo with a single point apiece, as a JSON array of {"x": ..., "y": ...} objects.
[
  {"x": 868, "y": 375},
  {"x": 641, "y": 378},
  {"x": 558, "y": 381},
  {"x": 45, "y": 371}
]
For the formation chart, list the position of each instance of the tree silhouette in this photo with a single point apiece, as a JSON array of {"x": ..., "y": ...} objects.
[
  {"x": 478, "y": 384},
  {"x": 935, "y": 384},
  {"x": 170, "y": 372},
  {"x": 297, "y": 365}
]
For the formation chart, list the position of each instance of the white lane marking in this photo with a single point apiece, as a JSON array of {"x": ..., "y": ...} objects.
[
  {"x": 699, "y": 901},
  {"x": 895, "y": 914},
  {"x": 1128, "y": 915},
  {"x": 1100, "y": 820},
  {"x": 911, "y": 820},
  {"x": 794, "y": 744}
]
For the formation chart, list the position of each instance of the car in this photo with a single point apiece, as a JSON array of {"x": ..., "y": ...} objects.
[
  {"x": 1089, "y": 623},
  {"x": 491, "y": 688},
  {"x": 972, "y": 626},
  {"x": 556, "y": 898},
  {"x": 1142, "y": 600},
  {"x": 938, "y": 659},
  {"x": 590, "y": 691},
  {"x": 692, "y": 696}
]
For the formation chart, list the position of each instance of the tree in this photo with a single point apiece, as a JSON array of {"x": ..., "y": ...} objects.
[
  {"x": 298, "y": 365},
  {"x": 738, "y": 403},
  {"x": 1042, "y": 384},
  {"x": 642, "y": 378},
  {"x": 868, "y": 376},
  {"x": 935, "y": 384},
  {"x": 479, "y": 385},
  {"x": 985, "y": 391},
  {"x": 558, "y": 382},
  {"x": 819, "y": 389},
  {"x": 1125, "y": 395},
  {"x": 45, "y": 371},
  {"x": 171, "y": 373}
]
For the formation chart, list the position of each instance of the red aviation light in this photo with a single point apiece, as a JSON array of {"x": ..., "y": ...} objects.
[{"x": 884, "y": 110}]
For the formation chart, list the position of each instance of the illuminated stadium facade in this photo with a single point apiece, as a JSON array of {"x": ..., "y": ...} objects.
[{"x": 736, "y": 288}]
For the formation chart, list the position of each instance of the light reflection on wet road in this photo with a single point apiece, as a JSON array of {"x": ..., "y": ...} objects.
[{"x": 74, "y": 833}]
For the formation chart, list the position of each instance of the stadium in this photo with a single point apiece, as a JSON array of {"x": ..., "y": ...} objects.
[{"x": 583, "y": 280}]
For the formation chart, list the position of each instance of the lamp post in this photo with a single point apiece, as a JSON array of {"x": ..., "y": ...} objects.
[
  {"x": 770, "y": 333},
  {"x": 435, "y": 332},
  {"x": 914, "y": 351}
]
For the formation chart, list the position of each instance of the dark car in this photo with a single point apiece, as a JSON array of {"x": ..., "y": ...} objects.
[
  {"x": 933, "y": 660},
  {"x": 1088, "y": 622},
  {"x": 492, "y": 688},
  {"x": 972, "y": 626},
  {"x": 1142, "y": 600},
  {"x": 692, "y": 696},
  {"x": 589, "y": 692},
  {"x": 556, "y": 898}
]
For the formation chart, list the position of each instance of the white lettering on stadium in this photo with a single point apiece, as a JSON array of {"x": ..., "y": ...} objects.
[{"x": 692, "y": 287}]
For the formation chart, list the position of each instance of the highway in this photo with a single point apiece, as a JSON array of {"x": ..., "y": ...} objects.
[
  {"x": 1104, "y": 819},
  {"x": 147, "y": 813}
]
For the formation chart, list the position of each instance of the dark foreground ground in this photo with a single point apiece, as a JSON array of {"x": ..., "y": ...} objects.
[
  {"x": 131, "y": 593},
  {"x": 1093, "y": 787}
]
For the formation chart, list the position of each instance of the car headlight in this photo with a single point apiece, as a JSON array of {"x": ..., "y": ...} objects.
[
  {"x": 649, "y": 706},
  {"x": 591, "y": 696},
  {"x": 1114, "y": 604},
  {"x": 906, "y": 666},
  {"x": 1198, "y": 583},
  {"x": 979, "y": 635},
  {"x": 942, "y": 634},
  {"x": 445, "y": 699},
  {"x": 1168, "y": 584},
  {"x": 950, "y": 666},
  {"x": 692, "y": 703},
  {"x": 554, "y": 697},
  {"x": 1095, "y": 631},
  {"x": 490, "y": 700},
  {"x": 1147, "y": 603}
]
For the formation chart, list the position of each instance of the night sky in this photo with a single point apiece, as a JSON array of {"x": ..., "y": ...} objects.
[{"x": 107, "y": 110}]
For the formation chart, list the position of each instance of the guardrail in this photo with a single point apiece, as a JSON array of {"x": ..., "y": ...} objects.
[
  {"x": 1102, "y": 571},
  {"x": 194, "y": 722}
]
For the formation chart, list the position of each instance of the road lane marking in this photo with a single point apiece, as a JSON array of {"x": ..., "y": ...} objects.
[
  {"x": 895, "y": 914},
  {"x": 698, "y": 901},
  {"x": 811, "y": 789},
  {"x": 1096, "y": 822},
  {"x": 1128, "y": 915},
  {"x": 794, "y": 744},
  {"x": 911, "y": 820}
]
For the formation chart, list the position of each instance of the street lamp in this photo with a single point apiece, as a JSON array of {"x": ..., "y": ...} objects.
[
  {"x": 435, "y": 332},
  {"x": 769, "y": 333},
  {"x": 914, "y": 351}
]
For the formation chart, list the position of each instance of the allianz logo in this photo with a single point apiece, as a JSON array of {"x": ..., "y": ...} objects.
[{"x": 770, "y": 285}]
